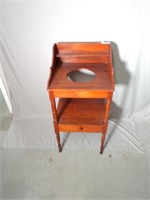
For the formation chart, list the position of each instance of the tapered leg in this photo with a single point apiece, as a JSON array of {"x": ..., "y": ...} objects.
[
  {"x": 57, "y": 136},
  {"x": 58, "y": 141},
  {"x": 55, "y": 120},
  {"x": 108, "y": 101},
  {"x": 102, "y": 143},
  {"x": 103, "y": 137}
]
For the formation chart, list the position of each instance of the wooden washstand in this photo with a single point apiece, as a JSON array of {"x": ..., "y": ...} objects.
[{"x": 82, "y": 106}]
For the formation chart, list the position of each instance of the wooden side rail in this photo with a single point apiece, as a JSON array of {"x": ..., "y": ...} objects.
[{"x": 53, "y": 65}]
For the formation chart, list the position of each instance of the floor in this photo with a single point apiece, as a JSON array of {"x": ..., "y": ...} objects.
[{"x": 74, "y": 174}]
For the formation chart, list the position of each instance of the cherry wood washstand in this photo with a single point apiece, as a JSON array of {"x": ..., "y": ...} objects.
[{"x": 82, "y": 106}]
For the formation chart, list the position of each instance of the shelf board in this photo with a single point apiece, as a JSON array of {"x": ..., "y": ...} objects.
[
  {"x": 81, "y": 111},
  {"x": 82, "y": 54}
]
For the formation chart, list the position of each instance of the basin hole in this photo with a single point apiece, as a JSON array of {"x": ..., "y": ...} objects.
[{"x": 81, "y": 75}]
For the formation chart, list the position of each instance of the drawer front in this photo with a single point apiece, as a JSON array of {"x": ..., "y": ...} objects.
[{"x": 80, "y": 128}]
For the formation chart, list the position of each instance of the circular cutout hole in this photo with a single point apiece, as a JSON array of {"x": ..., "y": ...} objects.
[{"x": 81, "y": 75}]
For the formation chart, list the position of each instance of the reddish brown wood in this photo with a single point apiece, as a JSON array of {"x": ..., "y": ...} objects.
[
  {"x": 103, "y": 136},
  {"x": 82, "y": 47},
  {"x": 87, "y": 111},
  {"x": 83, "y": 106},
  {"x": 102, "y": 81},
  {"x": 81, "y": 115},
  {"x": 55, "y": 119},
  {"x": 53, "y": 66}
]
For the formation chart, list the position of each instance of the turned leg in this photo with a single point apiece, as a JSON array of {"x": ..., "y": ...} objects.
[
  {"x": 108, "y": 101},
  {"x": 58, "y": 141},
  {"x": 103, "y": 137},
  {"x": 55, "y": 120},
  {"x": 102, "y": 143},
  {"x": 107, "y": 108}
]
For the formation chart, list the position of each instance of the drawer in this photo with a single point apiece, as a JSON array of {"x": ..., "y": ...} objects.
[{"x": 80, "y": 128}]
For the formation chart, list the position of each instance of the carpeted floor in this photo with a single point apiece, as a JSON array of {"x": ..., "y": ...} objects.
[{"x": 74, "y": 175}]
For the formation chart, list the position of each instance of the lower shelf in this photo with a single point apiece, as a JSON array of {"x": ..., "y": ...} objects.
[{"x": 81, "y": 115}]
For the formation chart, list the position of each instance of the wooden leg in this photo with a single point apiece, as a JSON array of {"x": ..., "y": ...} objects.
[
  {"x": 55, "y": 120},
  {"x": 57, "y": 135},
  {"x": 58, "y": 141},
  {"x": 102, "y": 143},
  {"x": 103, "y": 137},
  {"x": 108, "y": 101}
]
